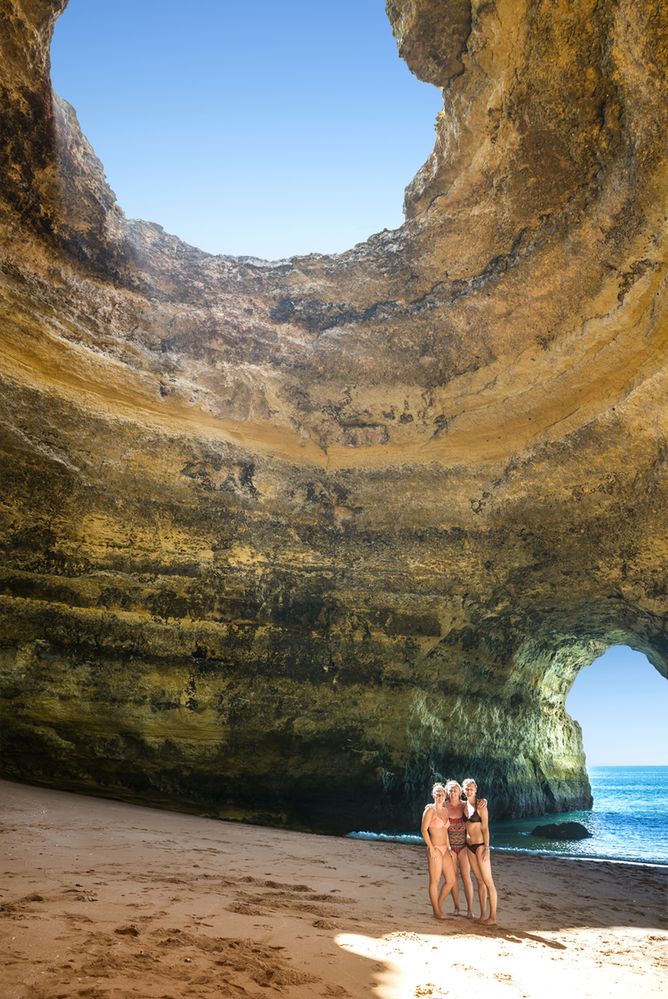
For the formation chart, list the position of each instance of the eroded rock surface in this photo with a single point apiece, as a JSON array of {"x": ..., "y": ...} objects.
[{"x": 282, "y": 540}]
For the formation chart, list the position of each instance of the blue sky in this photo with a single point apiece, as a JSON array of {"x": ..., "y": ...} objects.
[
  {"x": 262, "y": 128},
  {"x": 621, "y": 702},
  {"x": 280, "y": 128}
]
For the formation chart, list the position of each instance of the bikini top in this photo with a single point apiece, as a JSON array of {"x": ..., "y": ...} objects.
[
  {"x": 436, "y": 822},
  {"x": 474, "y": 817}
]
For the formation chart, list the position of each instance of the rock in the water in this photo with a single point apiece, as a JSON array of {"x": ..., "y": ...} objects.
[
  {"x": 561, "y": 830},
  {"x": 283, "y": 542}
]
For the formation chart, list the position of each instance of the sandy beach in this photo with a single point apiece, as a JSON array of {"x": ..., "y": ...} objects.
[{"x": 100, "y": 898}]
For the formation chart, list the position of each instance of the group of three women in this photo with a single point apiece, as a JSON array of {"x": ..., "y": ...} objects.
[{"x": 456, "y": 831}]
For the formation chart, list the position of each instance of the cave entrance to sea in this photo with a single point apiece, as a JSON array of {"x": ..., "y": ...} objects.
[
  {"x": 618, "y": 698},
  {"x": 621, "y": 702}
]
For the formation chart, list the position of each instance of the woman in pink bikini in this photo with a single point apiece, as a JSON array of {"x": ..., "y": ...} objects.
[{"x": 434, "y": 831}]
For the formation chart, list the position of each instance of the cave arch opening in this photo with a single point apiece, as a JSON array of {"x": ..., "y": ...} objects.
[
  {"x": 612, "y": 699},
  {"x": 620, "y": 701},
  {"x": 278, "y": 131}
]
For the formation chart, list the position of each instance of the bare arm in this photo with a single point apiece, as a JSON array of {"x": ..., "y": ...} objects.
[
  {"x": 484, "y": 815},
  {"x": 424, "y": 828}
]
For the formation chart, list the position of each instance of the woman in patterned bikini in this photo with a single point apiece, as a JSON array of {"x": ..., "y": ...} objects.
[
  {"x": 434, "y": 831},
  {"x": 455, "y": 809},
  {"x": 477, "y": 847}
]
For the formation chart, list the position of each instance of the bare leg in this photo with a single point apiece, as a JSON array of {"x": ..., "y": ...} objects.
[
  {"x": 465, "y": 869},
  {"x": 436, "y": 869},
  {"x": 454, "y": 887},
  {"x": 485, "y": 865},
  {"x": 482, "y": 887},
  {"x": 449, "y": 878}
]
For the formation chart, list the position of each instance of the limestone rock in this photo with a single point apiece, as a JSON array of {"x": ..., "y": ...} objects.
[{"x": 283, "y": 541}]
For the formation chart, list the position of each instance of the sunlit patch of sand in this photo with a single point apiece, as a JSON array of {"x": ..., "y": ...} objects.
[{"x": 502, "y": 964}]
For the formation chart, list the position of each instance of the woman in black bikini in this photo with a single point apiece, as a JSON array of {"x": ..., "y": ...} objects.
[
  {"x": 477, "y": 848},
  {"x": 434, "y": 831}
]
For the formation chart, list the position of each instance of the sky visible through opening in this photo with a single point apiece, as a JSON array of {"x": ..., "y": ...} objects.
[
  {"x": 264, "y": 129},
  {"x": 621, "y": 702}
]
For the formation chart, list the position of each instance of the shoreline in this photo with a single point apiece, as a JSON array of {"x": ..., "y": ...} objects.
[
  {"x": 101, "y": 898},
  {"x": 653, "y": 865},
  {"x": 514, "y": 850},
  {"x": 406, "y": 839}
]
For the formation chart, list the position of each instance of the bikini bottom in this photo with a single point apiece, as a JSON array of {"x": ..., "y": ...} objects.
[
  {"x": 474, "y": 847},
  {"x": 443, "y": 848}
]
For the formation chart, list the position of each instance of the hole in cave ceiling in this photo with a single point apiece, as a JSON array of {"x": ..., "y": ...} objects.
[{"x": 256, "y": 129}]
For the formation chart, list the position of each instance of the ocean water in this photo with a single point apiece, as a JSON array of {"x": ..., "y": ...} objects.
[{"x": 629, "y": 821}]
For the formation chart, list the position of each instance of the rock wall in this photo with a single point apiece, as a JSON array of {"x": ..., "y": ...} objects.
[{"x": 282, "y": 541}]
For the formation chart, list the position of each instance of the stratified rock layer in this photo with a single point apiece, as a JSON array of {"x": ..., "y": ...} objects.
[{"x": 281, "y": 541}]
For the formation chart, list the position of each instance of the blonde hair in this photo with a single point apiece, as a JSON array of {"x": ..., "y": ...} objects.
[
  {"x": 467, "y": 781},
  {"x": 438, "y": 787},
  {"x": 450, "y": 784}
]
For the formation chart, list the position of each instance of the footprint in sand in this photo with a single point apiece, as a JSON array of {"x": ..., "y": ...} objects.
[
  {"x": 336, "y": 992},
  {"x": 281, "y": 884},
  {"x": 243, "y": 909}
]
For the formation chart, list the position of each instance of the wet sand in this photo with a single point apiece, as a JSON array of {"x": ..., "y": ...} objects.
[{"x": 100, "y": 898}]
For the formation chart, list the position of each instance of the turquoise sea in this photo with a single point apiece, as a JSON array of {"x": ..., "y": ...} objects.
[{"x": 629, "y": 821}]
